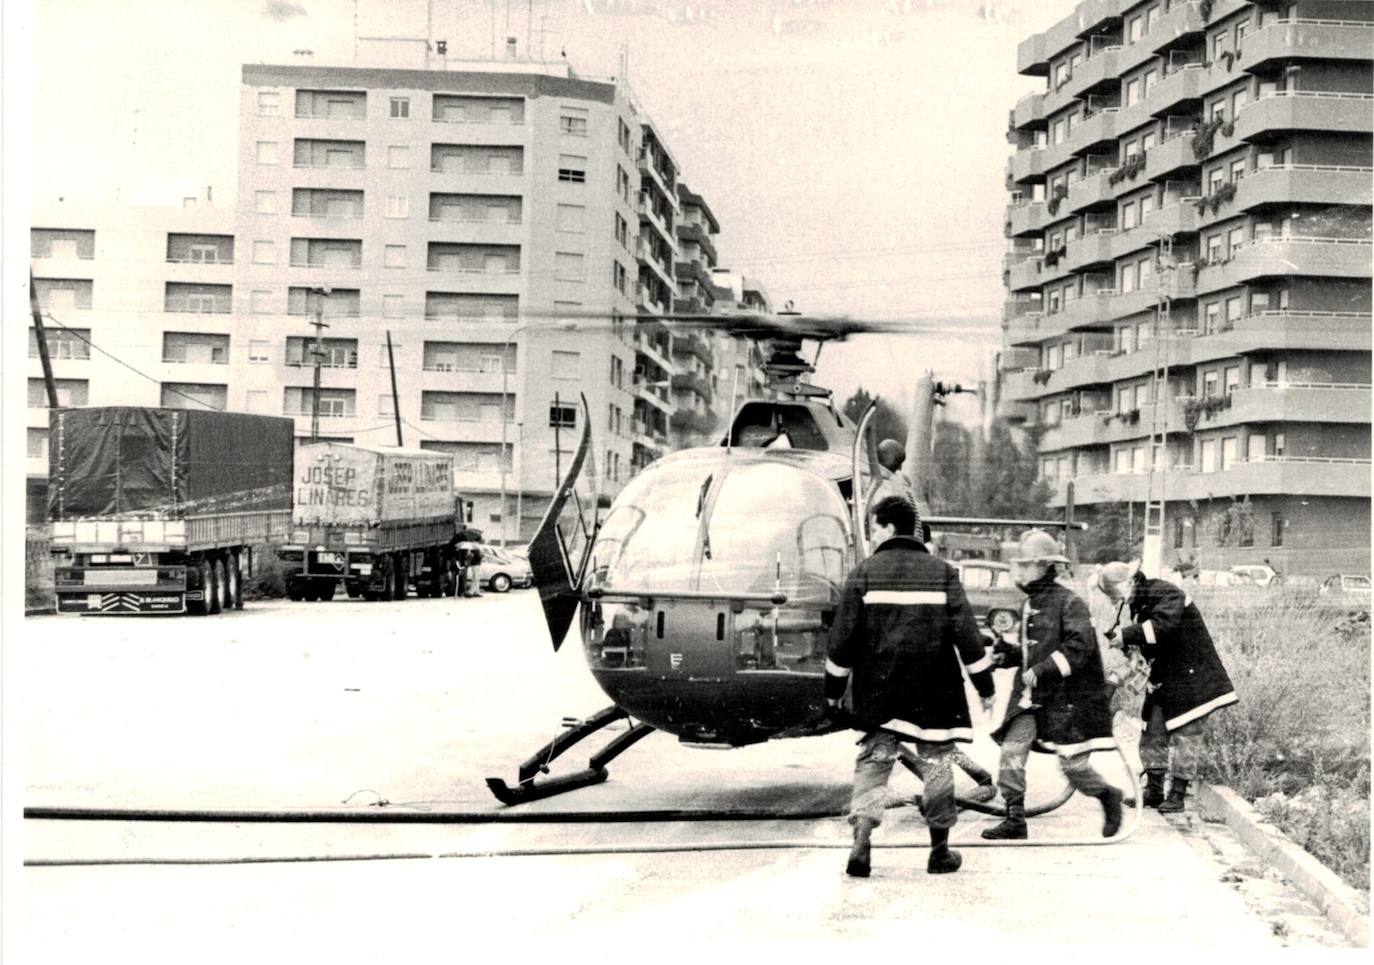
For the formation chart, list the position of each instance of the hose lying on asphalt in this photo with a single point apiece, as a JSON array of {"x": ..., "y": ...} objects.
[{"x": 566, "y": 817}]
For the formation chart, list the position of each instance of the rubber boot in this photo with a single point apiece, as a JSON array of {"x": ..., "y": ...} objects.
[
  {"x": 942, "y": 860},
  {"x": 1178, "y": 792},
  {"x": 859, "y": 865},
  {"x": 1111, "y": 811},
  {"x": 1013, "y": 826},
  {"x": 1154, "y": 789}
]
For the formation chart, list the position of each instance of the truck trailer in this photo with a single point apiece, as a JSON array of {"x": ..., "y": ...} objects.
[
  {"x": 155, "y": 510},
  {"x": 372, "y": 520}
]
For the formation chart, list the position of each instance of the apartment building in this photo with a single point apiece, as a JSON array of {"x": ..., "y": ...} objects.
[{"x": 1190, "y": 250}]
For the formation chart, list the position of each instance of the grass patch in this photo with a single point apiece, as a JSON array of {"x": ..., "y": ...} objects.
[{"x": 1297, "y": 744}]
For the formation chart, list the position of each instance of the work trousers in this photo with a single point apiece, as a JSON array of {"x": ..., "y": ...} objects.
[
  {"x": 873, "y": 767},
  {"x": 1178, "y": 752},
  {"x": 1016, "y": 748},
  {"x": 473, "y": 582}
]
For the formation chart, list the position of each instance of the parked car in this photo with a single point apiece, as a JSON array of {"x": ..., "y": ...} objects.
[
  {"x": 1339, "y": 583},
  {"x": 1261, "y": 574},
  {"x": 1223, "y": 578},
  {"x": 502, "y": 569},
  {"x": 994, "y": 597}
]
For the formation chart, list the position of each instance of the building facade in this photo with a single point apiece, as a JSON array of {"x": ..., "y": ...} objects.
[
  {"x": 1188, "y": 278},
  {"x": 505, "y": 224}
]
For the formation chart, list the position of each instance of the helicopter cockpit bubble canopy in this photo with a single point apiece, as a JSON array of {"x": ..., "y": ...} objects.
[
  {"x": 800, "y": 424},
  {"x": 730, "y": 522}
]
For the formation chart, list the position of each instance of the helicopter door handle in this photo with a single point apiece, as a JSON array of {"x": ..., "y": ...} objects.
[
  {"x": 720, "y": 626},
  {"x": 659, "y": 625}
]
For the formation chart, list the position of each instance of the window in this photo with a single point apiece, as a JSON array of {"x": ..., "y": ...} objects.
[
  {"x": 1216, "y": 178},
  {"x": 400, "y": 107},
  {"x": 1231, "y": 378},
  {"x": 1278, "y": 442},
  {"x": 1210, "y": 380},
  {"x": 1147, "y": 141},
  {"x": 568, "y": 266},
  {"x": 259, "y": 350},
  {"x": 1218, "y": 109},
  {"x": 1148, "y": 80},
  {"x": 265, "y": 202},
  {"x": 1131, "y": 150},
  {"x": 1241, "y": 27},
  {"x": 572, "y": 168},
  {"x": 63, "y": 343},
  {"x": 619, "y": 277},
  {"x": 269, "y": 103},
  {"x": 1238, "y": 100},
  {"x": 1228, "y": 453},
  {"x": 1233, "y": 311},
  {"x": 391, "y": 306},
  {"x": 1128, "y": 279},
  {"x": 394, "y": 256},
  {"x": 1128, "y": 216},
  {"x": 1132, "y": 91},
  {"x": 563, "y": 416},
  {"x": 1214, "y": 248},
  {"x": 1259, "y": 302},
  {"x": 267, "y": 152},
  {"x": 1218, "y": 44},
  {"x": 1235, "y": 240},
  {"x": 623, "y": 134},
  {"x": 1147, "y": 204},
  {"x": 264, "y": 253},
  {"x": 574, "y": 126},
  {"x": 398, "y": 156},
  {"x": 1057, "y": 130},
  {"x": 260, "y": 302},
  {"x": 1237, "y": 170},
  {"x": 622, "y": 231},
  {"x": 1209, "y": 456},
  {"x": 1277, "y": 524},
  {"x": 1135, "y": 29},
  {"x": 1255, "y": 444},
  {"x": 566, "y": 365},
  {"x": 571, "y": 218},
  {"x": 70, "y": 392},
  {"x": 397, "y": 206},
  {"x": 1211, "y": 318},
  {"x": 622, "y": 182}
]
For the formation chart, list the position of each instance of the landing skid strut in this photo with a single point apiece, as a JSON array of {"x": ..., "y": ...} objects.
[{"x": 530, "y": 788}]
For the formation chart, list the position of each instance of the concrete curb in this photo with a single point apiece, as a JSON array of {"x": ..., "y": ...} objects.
[{"x": 1338, "y": 901}]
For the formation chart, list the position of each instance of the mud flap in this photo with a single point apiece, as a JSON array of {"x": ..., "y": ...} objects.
[{"x": 561, "y": 545}]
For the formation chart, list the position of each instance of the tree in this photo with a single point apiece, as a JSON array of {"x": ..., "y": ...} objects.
[
  {"x": 1007, "y": 485},
  {"x": 950, "y": 471},
  {"x": 888, "y": 422},
  {"x": 1108, "y": 537}
]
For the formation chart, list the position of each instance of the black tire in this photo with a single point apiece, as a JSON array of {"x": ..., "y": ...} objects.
[
  {"x": 353, "y": 590},
  {"x": 295, "y": 590},
  {"x": 216, "y": 592},
  {"x": 500, "y": 583},
  {"x": 235, "y": 581},
  {"x": 402, "y": 570},
  {"x": 201, "y": 607},
  {"x": 326, "y": 590}
]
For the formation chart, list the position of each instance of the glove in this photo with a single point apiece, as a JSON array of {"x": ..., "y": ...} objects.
[{"x": 1028, "y": 679}]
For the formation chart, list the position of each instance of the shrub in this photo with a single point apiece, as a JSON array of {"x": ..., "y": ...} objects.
[{"x": 267, "y": 582}]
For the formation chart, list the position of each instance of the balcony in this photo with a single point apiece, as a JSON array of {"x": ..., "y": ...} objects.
[
  {"x": 1297, "y": 403},
  {"x": 1027, "y": 165},
  {"x": 1097, "y": 71},
  {"x": 1289, "y": 475},
  {"x": 1181, "y": 217},
  {"x": 1180, "y": 88},
  {"x": 1104, "y": 487},
  {"x": 1029, "y": 111},
  {"x": 1023, "y": 329},
  {"x": 1305, "y": 111},
  {"x": 1021, "y": 386},
  {"x": 1027, "y": 218},
  {"x": 694, "y": 383},
  {"x": 1318, "y": 39},
  {"x": 1132, "y": 240},
  {"x": 1277, "y": 256},
  {"x": 1165, "y": 161},
  {"x": 648, "y": 214},
  {"x": 1093, "y": 191},
  {"x": 1182, "y": 22},
  {"x": 1026, "y": 276},
  {"x": 1090, "y": 251},
  {"x": 648, "y": 259},
  {"x": 1030, "y": 57},
  {"x": 1091, "y": 134},
  {"x": 1304, "y": 184},
  {"x": 1281, "y": 330},
  {"x": 655, "y": 395}
]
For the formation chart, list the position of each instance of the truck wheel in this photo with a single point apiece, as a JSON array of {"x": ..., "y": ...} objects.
[
  {"x": 500, "y": 583},
  {"x": 215, "y": 592},
  {"x": 326, "y": 590},
  {"x": 235, "y": 581},
  {"x": 402, "y": 571},
  {"x": 295, "y": 590},
  {"x": 202, "y": 606},
  {"x": 352, "y": 588}
]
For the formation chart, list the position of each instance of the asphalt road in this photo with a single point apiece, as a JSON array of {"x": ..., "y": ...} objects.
[{"x": 404, "y": 708}]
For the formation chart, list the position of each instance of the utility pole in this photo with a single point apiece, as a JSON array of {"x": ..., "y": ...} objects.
[
  {"x": 318, "y": 352},
  {"x": 395, "y": 399},
  {"x": 42, "y": 338},
  {"x": 557, "y": 446}
]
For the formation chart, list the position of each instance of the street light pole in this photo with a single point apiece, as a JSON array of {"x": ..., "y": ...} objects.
[
  {"x": 318, "y": 352},
  {"x": 505, "y": 395}
]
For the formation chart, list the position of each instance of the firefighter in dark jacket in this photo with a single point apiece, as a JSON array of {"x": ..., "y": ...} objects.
[
  {"x": 1060, "y": 702},
  {"x": 1187, "y": 679},
  {"x": 903, "y": 632}
]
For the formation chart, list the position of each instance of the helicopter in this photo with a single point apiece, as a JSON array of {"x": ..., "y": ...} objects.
[{"x": 704, "y": 596}]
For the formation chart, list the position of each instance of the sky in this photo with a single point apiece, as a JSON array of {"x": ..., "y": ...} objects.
[{"x": 852, "y": 150}]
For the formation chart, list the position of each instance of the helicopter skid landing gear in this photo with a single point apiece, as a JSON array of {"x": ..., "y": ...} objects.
[{"x": 530, "y": 788}]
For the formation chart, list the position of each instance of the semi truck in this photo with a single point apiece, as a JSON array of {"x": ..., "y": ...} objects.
[
  {"x": 156, "y": 510},
  {"x": 372, "y": 520}
]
